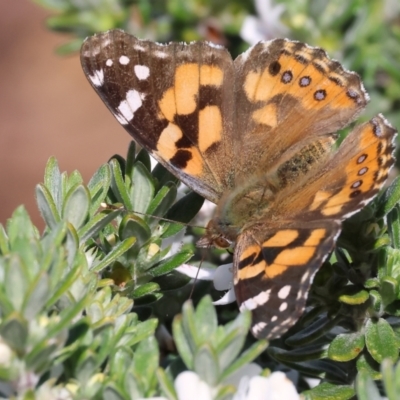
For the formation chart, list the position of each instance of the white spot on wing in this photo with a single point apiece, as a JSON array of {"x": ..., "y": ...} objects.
[
  {"x": 274, "y": 318},
  {"x": 215, "y": 46},
  {"x": 98, "y": 77},
  {"x": 284, "y": 292},
  {"x": 141, "y": 71},
  {"x": 256, "y": 301},
  {"x": 124, "y": 60},
  {"x": 160, "y": 54},
  {"x": 139, "y": 47},
  {"x": 283, "y": 306},
  {"x": 132, "y": 103},
  {"x": 258, "y": 327},
  {"x": 121, "y": 119},
  {"x": 109, "y": 62}
]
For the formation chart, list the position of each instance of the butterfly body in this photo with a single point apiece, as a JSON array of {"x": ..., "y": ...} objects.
[{"x": 255, "y": 135}]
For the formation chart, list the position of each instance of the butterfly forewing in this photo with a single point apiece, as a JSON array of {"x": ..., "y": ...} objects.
[
  {"x": 289, "y": 93},
  {"x": 176, "y": 100}
]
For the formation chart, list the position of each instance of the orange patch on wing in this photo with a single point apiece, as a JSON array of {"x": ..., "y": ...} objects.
[
  {"x": 319, "y": 198},
  {"x": 328, "y": 211},
  {"x": 250, "y": 251},
  {"x": 195, "y": 164},
  {"x": 250, "y": 85},
  {"x": 274, "y": 270},
  {"x": 316, "y": 237},
  {"x": 295, "y": 256},
  {"x": 281, "y": 238},
  {"x": 210, "y": 127},
  {"x": 167, "y": 104},
  {"x": 187, "y": 81},
  {"x": 252, "y": 270},
  {"x": 211, "y": 75},
  {"x": 166, "y": 142},
  {"x": 266, "y": 115}
]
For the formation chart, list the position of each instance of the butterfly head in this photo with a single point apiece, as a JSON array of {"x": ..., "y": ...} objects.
[{"x": 215, "y": 236}]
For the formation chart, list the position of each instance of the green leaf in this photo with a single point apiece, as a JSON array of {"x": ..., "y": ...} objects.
[
  {"x": 168, "y": 264},
  {"x": 206, "y": 318},
  {"x": 146, "y": 361},
  {"x": 166, "y": 385},
  {"x": 393, "y": 220},
  {"x": 163, "y": 176},
  {"x": 142, "y": 191},
  {"x": 380, "y": 340},
  {"x": 366, "y": 389},
  {"x": 143, "y": 158},
  {"x": 352, "y": 295},
  {"x": 14, "y": 331},
  {"x": 143, "y": 330},
  {"x": 365, "y": 363},
  {"x": 4, "y": 245},
  {"x": 171, "y": 281},
  {"x": 389, "y": 199},
  {"x": 205, "y": 364},
  {"x": 330, "y": 391},
  {"x": 16, "y": 281},
  {"x": 389, "y": 289},
  {"x": 130, "y": 158},
  {"x": 391, "y": 378},
  {"x": 134, "y": 226},
  {"x": 163, "y": 200},
  {"x": 185, "y": 209},
  {"x": 98, "y": 187},
  {"x": 96, "y": 224},
  {"x": 304, "y": 353},
  {"x": 36, "y": 296},
  {"x": 313, "y": 331},
  {"x": 145, "y": 289},
  {"x": 375, "y": 300},
  {"x": 185, "y": 349},
  {"x": 47, "y": 206},
  {"x": 113, "y": 256},
  {"x": 111, "y": 392},
  {"x": 52, "y": 183},
  {"x": 346, "y": 346},
  {"x": 118, "y": 185},
  {"x": 76, "y": 205},
  {"x": 246, "y": 357}
]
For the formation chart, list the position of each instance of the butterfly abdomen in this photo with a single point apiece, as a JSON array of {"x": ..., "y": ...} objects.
[{"x": 302, "y": 161}]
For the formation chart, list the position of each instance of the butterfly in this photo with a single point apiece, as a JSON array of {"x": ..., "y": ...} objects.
[{"x": 255, "y": 135}]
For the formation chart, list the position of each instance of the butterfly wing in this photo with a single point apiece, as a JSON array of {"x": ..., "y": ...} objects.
[
  {"x": 274, "y": 268},
  {"x": 288, "y": 93},
  {"x": 350, "y": 178},
  {"x": 175, "y": 100}
]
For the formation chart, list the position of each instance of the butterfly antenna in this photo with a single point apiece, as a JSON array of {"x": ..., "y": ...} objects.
[{"x": 195, "y": 279}]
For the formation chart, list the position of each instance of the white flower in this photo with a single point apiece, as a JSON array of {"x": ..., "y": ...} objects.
[
  {"x": 275, "y": 387},
  {"x": 222, "y": 278},
  {"x": 189, "y": 386},
  {"x": 266, "y": 26},
  {"x": 6, "y": 354}
]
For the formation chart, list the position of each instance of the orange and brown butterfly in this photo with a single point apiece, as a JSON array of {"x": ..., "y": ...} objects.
[{"x": 255, "y": 135}]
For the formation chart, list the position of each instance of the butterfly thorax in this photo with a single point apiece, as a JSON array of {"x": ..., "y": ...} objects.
[{"x": 254, "y": 199}]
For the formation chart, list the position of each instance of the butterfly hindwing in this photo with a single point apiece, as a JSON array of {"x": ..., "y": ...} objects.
[
  {"x": 274, "y": 269},
  {"x": 350, "y": 179},
  {"x": 176, "y": 100}
]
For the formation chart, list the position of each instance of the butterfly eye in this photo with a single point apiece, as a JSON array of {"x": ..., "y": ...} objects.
[{"x": 221, "y": 243}]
